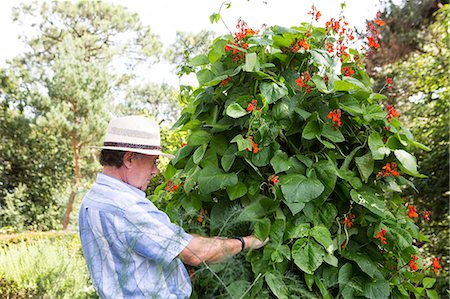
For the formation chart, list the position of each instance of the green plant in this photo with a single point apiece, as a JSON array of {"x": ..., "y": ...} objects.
[
  {"x": 51, "y": 267},
  {"x": 288, "y": 140}
]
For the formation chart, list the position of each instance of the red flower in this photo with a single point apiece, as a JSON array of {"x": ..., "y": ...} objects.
[
  {"x": 392, "y": 113},
  {"x": 412, "y": 263},
  {"x": 412, "y": 213},
  {"x": 183, "y": 144},
  {"x": 251, "y": 106},
  {"x": 426, "y": 215},
  {"x": 303, "y": 44},
  {"x": 436, "y": 265},
  {"x": 175, "y": 187},
  {"x": 348, "y": 71},
  {"x": 381, "y": 235},
  {"x": 389, "y": 82},
  {"x": 169, "y": 186},
  {"x": 330, "y": 47},
  {"x": 224, "y": 82},
  {"x": 274, "y": 180},
  {"x": 348, "y": 220},
  {"x": 335, "y": 117},
  {"x": 303, "y": 79},
  {"x": 255, "y": 149},
  {"x": 389, "y": 168}
]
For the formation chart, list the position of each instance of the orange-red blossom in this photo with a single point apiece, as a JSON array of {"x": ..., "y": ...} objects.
[
  {"x": 381, "y": 235},
  {"x": 412, "y": 213},
  {"x": 335, "y": 117},
  {"x": 413, "y": 264},
  {"x": 436, "y": 265},
  {"x": 348, "y": 220}
]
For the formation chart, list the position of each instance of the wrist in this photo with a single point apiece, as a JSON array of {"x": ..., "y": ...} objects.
[{"x": 243, "y": 243}]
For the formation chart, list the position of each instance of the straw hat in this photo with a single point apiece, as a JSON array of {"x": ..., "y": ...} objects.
[{"x": 133, "y": 134}]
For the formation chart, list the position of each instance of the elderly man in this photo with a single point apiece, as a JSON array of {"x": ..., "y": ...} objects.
[{"x": 131, "y": 248}]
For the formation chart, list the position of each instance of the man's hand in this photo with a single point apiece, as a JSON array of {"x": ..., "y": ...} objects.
[{"x": 252, "y": 243}]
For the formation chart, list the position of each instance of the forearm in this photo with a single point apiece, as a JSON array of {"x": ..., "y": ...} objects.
[{"x": 210, "y": 250}]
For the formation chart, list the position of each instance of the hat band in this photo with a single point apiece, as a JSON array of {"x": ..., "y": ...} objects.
[{"x": 132, "y": 145}]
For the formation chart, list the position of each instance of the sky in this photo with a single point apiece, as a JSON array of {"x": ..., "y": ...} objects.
[{"x": 169, "y": 16}]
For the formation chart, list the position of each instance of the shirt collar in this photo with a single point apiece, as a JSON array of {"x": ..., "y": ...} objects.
[{"x": 104, "y": 179}]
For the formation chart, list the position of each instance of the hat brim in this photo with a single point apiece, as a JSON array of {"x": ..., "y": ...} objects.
[{"x": 135, "y": 150}]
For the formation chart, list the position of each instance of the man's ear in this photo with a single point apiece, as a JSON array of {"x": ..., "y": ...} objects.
[{"x": 127, "y": 159}]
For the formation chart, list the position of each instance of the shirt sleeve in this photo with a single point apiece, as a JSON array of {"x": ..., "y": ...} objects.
[{"x": 150, "y": 233}]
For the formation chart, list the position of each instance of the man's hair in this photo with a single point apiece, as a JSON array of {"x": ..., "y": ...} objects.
[
  {"x": 114, "y": 158},
  {"x": 111, "y": 158}
]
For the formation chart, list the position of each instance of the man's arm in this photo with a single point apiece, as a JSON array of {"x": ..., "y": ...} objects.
[{"x": 210, "y": 250}]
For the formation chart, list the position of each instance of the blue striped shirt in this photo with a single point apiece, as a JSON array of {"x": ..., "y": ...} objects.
[{"x": 131, "y": 248}]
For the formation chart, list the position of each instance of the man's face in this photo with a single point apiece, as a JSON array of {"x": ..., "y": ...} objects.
[{"x": 143, "y": 169}]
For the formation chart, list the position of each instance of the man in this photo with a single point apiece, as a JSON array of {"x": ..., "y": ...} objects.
[{"x": 131, "y": 248}]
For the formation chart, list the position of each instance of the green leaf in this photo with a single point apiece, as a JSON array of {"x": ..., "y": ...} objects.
[
  {"x": 262, "y": 228},
  {"x": 236, "y": 191},
  {"x": 276, "y": 284},
  {"x": 332, "y": 134},
  {"x": 309, "y": 279},
  {"x": 341, "y": 85},
  {"x": 364, "y": 262},
  {"x": 204, "y": 76},
  {"x": 374, "y": 112},
  {"x": 345, "y": 274},
  {"x": 212, "y": 179},
  {"x": 311, "y": 130},
  {"x": 322, "y": 288},
  {"x": 369, "y": 200},
  {"x": 258, "y": 208},
  {"x": 365, "y": 166},
  {"x": 377, "y": 146},
  {"x": 428, "y": 282},
  {"x": 309, "y": 257},
  {"x": 280, "y": 162},
  {"x": 243, "y": 144},
  {"x": 376, "y": 288},
  {"x": 350, "y": 105},
  {"x": 272, "y": 91},
  {"x": 322, "y": 235},
  {"x": 320, "y": 84},
  {"x": 198, "y": 60},
  {"x": 330, "y": 259},
  {"x": 214, "y": 18},
  {"x": 228, "y": 157},
  {"x": 199, "y": 153},
  {"x": 236, "y": 111},
  {"x": 432, "y": 294},
  {"x": 299, "y": 231},
  {"x": 408, "y": 163},
  {"x": 303, "y": 113},
  {"x": 295, "y": 207},
  {"x": 198, "y": 137},
  {"x": 298, "y": 188},
  {"x": 251, "y": 63}
]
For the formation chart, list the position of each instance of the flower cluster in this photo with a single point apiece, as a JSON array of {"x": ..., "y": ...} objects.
[
  {"x": 255, "y": 149},
  {"x": 426, "y": 215},
  {"x": 335, "y": 116},
  {"x": 240, "y": 37},
  {"x": 315, "y": 14},
  {"x": 339, "y": 45},
  {"x": 389, "y": 82},
  {"x": 381, "y": 235},
  {"x": 203, "y": 214},
  {"x": 171, "y": 187},
  {"x": 348, "y": 71},
  {"x": 412, "y": 212},
  {"x": 392, "y": 113},
  {"x": 413, "y": 264},
  {"x": 274, "y": 179},
  {"x": 436, "y": 265},
  {"x": 389, "y": 169},
  {"x": 373, "y": 35},
  {"x": 348, "y": 220},
  {"x": 303, "y": 80},
  {"x": 252, "y": 106}
]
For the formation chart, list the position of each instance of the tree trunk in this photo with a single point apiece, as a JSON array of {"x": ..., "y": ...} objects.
[{"x": 76, "y": 151}]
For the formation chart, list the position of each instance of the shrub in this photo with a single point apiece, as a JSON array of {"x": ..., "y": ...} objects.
[
  {"x": 288, "y": 140},
  {"x": 44, "y": 267}
]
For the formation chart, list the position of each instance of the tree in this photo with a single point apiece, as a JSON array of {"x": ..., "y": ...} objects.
[
  {"x": 81, "y": 55},
  {"x": 289, "y": 140}
]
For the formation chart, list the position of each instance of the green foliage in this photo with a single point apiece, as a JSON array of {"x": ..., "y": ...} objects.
[
  {"x": 284, "y": 144},
  {"x": 421, "y": 90},
  {"x": 50, "y": 267}
]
